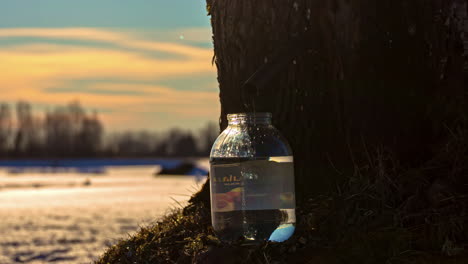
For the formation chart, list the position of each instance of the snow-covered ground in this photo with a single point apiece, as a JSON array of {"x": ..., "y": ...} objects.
[{"x": 72, "y": 218}]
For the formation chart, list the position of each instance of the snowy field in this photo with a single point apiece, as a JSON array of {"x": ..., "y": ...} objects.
[{"x": 72, "y": 217}]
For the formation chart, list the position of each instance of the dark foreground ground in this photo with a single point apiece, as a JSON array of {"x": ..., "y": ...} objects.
[{"x": 385, "y": 213}]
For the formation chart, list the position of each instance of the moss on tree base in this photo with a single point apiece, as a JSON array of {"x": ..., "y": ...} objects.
[{"x": 185, "y": 236}]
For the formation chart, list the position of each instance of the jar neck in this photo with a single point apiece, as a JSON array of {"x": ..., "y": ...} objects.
[{"x": 249, "y": 119}]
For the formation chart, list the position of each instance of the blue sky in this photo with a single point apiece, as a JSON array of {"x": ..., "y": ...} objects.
[
  {"x": 150, "y": 14},
  {"x": 141, "y": 64}
]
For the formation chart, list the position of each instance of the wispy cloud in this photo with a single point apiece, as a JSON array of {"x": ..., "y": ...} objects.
[
  {"x": 55, "y": 61},
  {"x": 127, "y": 39},
  {"x": 33, "y": 67}
]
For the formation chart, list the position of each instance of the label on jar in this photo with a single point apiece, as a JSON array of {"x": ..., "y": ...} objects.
[{"x": 252, "y": 184}]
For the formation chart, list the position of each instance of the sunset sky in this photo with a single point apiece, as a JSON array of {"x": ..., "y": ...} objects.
[{"x": 141, "y": 64}]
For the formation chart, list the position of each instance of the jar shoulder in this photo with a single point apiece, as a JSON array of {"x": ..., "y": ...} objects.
[{"x": 264, "y": 141}]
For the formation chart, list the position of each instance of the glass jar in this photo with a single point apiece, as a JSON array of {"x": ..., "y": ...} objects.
[{"x": 252, "y": 181}]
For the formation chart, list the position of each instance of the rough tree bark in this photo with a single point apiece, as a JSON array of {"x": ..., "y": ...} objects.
[{"x": 386, "y": 73}]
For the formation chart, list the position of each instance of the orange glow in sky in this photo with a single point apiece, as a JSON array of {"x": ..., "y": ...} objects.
[{"x": 131, "y": 80}]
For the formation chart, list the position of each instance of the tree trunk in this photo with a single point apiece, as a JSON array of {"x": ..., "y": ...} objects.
[{"x": 378, "y": 74}]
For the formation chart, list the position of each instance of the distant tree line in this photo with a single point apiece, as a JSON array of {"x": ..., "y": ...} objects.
[{"x": 70, "y": 132}]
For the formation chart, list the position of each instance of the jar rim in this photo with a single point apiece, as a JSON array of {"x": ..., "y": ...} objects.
[{"x": 250, "y": 114}]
